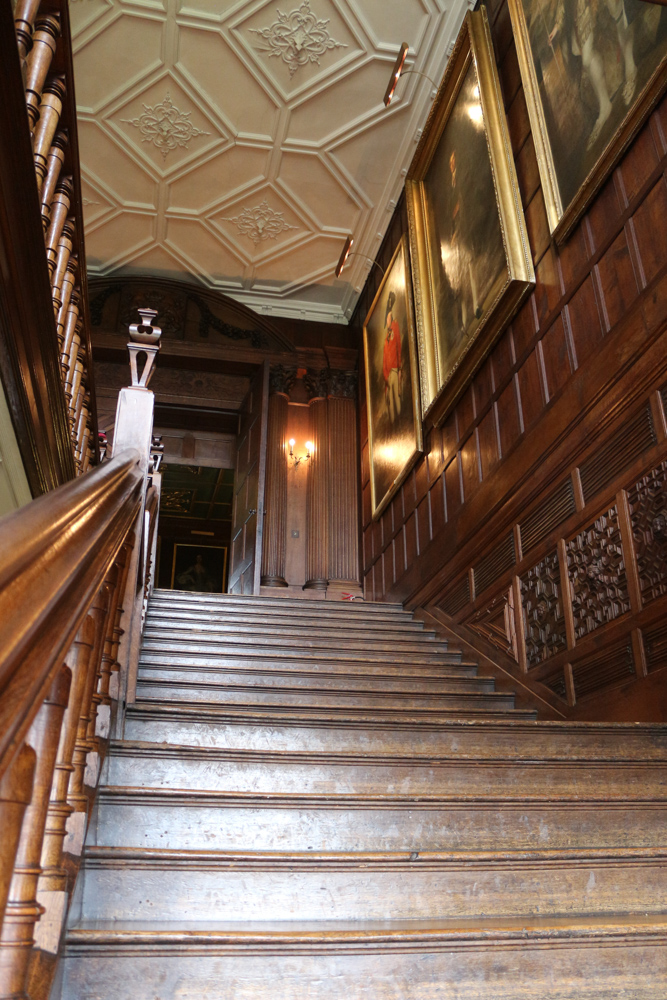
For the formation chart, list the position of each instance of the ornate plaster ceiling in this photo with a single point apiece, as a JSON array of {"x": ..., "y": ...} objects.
[{"x": 238, "y": 142}]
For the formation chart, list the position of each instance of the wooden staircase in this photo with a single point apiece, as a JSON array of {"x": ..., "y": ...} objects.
[{"x": 321, "y": 801}]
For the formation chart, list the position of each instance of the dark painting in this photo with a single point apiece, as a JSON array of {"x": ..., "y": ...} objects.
[{"x": 199, "y": 568}]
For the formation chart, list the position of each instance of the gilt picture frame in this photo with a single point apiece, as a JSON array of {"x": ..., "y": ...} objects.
[
  {"x": 392, "y": 382},
  {"x": 471, "y": 260},
  {"x": 592, "y": 70}
]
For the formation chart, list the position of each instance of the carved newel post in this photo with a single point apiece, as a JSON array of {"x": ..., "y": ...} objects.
[
  {"x": 281, "y": 380},
  {"x": 317, "y": 500},
  {"x": 343, "y": 522}
]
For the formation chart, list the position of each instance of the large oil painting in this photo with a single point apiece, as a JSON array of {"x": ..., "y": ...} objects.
[
  {"x": 392, "y": 388},
  {"x": 592, "y": 70},
  {"x": 199, "y": 568},
  {"x": 470, "y": 253}
]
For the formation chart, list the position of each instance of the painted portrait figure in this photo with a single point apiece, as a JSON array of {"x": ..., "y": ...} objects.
[
  {"x": 392, "y": 398},
  {"x": 592, "y": 58},
  {"x": 466, "y": 243}
]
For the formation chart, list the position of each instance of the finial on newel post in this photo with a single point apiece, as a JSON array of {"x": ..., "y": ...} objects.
[{"x": 145, "y": 339}]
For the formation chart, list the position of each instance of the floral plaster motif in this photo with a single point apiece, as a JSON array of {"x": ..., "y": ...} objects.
[
  {"x": 165, "y": 126},
  {"x": 298, "y": 38},
  {"x": 260, "y": 223}
]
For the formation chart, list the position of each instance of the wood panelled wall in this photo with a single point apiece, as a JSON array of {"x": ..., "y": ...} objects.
[{"x": 538, "y": 515}]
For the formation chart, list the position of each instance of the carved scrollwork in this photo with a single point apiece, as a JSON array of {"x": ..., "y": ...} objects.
[
  {"x": 542, "y": 610},
  {"x": 324, "y": 382},
  {"x": 648, "y": 510},
  {"x": 281, "y": 380},
  {"x": 597, "y": 573}
]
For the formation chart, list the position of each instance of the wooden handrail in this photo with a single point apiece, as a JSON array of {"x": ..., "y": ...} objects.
[{"x": 55, "y": 555}]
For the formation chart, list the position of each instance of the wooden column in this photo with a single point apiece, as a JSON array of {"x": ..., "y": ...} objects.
[
  {"x": 275, "y": 496},
  {"x": 317, "y": 504},
  {"x": 343, "y": 533}
]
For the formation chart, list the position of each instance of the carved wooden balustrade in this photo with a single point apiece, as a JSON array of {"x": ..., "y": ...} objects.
[
  {"x": 76, "y": 570},
  {"x": 42, "y": 34}
]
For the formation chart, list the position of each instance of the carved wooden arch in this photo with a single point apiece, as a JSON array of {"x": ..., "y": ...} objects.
[{"x": 173, "y": 300}]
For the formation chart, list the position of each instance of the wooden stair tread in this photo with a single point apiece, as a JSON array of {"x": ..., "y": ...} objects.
[{"x": 415, "y": 716}]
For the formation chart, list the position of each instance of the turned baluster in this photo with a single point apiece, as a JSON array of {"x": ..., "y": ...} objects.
[
  {"x": 51, "y": 108},
  {"x": 15, "y": 794},
  {"x": 76, "y": 795},
  {"x": 70, "y": 355},
  {"x": 23, "y": 910},
  {"x": 77, "y": 394},
  {"x": 47, "y": 30},
  {"x": 123, "y": 560},
  {"x": 59, "y": 210},
  {"x": 55, "y": 163},
  {"x": 65, "y": 244},
  {"x": 51, "y": 892},
  {"x": 67, "y": 290},
  {"x": 25, "y": 13},
  {"x": 84, "y": 460},
  {"x": 84, "y": 418}
]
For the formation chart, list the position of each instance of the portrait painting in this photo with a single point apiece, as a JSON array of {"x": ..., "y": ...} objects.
[
  {"x": 470, "y": 256},
  {"x": 199, "y": 568},
  {"x": 592, "y": 70},
  {"x": 392, "y": 391}
]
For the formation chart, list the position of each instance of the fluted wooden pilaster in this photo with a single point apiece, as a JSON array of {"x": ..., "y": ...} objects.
[
  {"x": 317, "y": 504},
  {"x": 343, "y": 492},
  {"x": 275, "y": 494}
]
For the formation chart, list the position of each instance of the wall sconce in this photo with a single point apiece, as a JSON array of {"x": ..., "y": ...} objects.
[
  {"x": 298, "y": 459},
  {"x": 398, "y": 70}
]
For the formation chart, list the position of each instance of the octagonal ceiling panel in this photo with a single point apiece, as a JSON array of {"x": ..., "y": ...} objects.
[
  {"x": 238, "y": 142},
  {"x": 223, "y": 175}
]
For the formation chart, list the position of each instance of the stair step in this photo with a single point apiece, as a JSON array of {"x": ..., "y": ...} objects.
[
  {"x": 208, "y": 769},
  {"x": 445, "y": 664},
  {"x": 238, "y": 602},
  {"x": 372, "y": 624},
  {"x": 232, "y": 821},
  {"x": 122, "y": 884},
  {"x": 297, "y": 698},
  {"x": 330, "y": 715},
  {"x": 560, "y": 958},
  {"x": 306, "y": 646},
  {"x": 210, "y": 630},
  {"x": 390, "y": 684},
  {"x": 478, "y": 740}
]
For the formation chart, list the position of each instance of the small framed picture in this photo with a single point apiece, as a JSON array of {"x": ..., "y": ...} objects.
[
  {"x": 392, "y": 383},
  {"x": 592, "y": 70},
  {"x": 471, "y": 260},
  {"x": 200, "y": 568}
]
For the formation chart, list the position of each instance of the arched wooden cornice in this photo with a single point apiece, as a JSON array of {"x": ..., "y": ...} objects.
[{"x": 182, "y": 307}]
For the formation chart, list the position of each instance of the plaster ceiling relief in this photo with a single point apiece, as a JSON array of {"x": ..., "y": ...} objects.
[
  {"x": 167, "y": 126},
  {"x": 259, "y": 223},
  {"x": 236, "y": 143},
  {"x": 294, "y": 43}
]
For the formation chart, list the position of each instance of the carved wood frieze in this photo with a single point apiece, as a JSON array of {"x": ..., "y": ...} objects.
[
  {"x": 324, "y": 382},
  {"x": 543, "y": 610},
  {"x": 597, "y": 574},
  {"x": 648, "y": 512}
]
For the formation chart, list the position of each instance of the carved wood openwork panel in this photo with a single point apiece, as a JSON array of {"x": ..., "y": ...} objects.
[
  {"x": 597, "y": 574},
  {"x": 496, "y": 623},
  {"x": 543, "y": 610},
  {"x": 648, "y": 511}
]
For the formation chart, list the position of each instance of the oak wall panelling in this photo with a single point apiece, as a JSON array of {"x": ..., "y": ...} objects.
[{"x": 544, "y": 486}]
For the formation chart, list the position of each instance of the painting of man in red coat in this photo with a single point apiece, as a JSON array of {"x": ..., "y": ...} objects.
[{"x": 392, "y": 368}]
